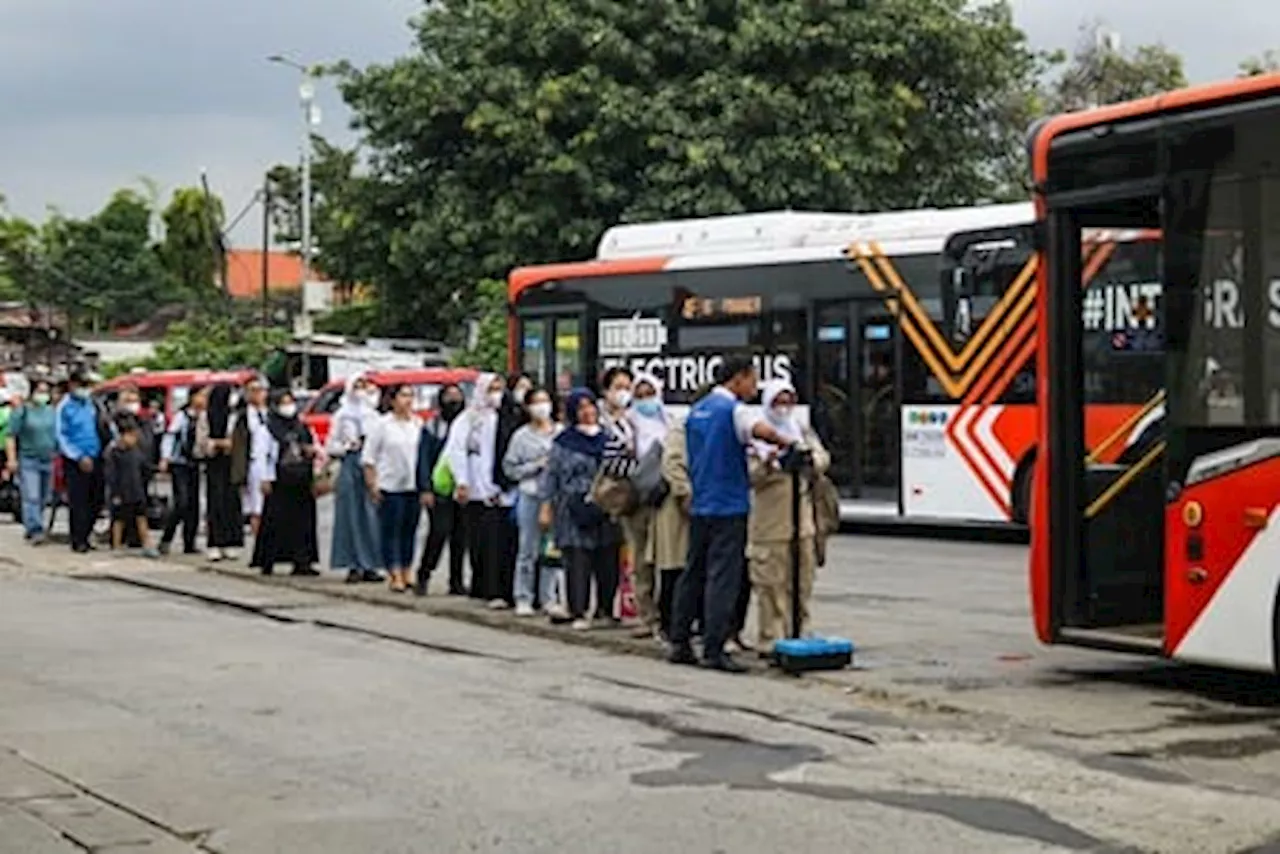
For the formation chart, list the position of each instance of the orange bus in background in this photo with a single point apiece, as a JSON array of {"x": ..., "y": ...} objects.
[{"x": 1175, "y": 550}]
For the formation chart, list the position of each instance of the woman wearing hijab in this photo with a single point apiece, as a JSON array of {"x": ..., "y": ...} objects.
[
  {"x": 587, "y": 537},
  {"x": 214, "y": 426},
  {"x": 355, "y": 519},
  {"x": 473, "y": 460},
  {"x": 288, "y": 530},
  {"x": 649, "y": 427},
  {"x": 770, "y": 529},
  {"x": 447, "y": 527}
]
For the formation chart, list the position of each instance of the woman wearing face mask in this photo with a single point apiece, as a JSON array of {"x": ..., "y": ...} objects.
[
  {"x": 445, "y": 513},
  {"x": 391, "y": 473},
  {"x": 355, "y": 519},
  {"x": 287, "y": 533},
  {"x": 31, "y": 445},
  {"x": 473, "y": 460},
  {"x": 525, "y": 462},
  {"x": 769, "y": 549},
  {"x": 649, "y": 426},
  {"x": 620, "y": 439},
  {"x": 588, "y": 538}
]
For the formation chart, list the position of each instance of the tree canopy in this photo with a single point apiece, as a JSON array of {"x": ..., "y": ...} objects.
[
  {"x": 1099, "y": 72},
  {"x": 517, "y": 131}
]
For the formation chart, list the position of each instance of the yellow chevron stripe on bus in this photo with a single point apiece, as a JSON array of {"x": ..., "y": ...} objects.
[{"x": 1013, "y": 307}]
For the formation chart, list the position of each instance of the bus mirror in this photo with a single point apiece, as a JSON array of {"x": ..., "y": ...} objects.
[{"x": 961, "y": 283}]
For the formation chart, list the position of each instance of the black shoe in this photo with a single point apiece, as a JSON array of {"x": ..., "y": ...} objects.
[
  {"x": 190, "y": 550},
  {"x": 80, "y": 549},
  {"x": 355, "y": 577},
  {"x": 267, "y": 570},
  {"x": 681, "y": 654},
  {"x": 164, "y": 548},
  {"x": 420, "y": 582},
  {"x": 725, "y": 664},
  {"x": 371, "y": 576},
  {"x": 305, "y": 571}
]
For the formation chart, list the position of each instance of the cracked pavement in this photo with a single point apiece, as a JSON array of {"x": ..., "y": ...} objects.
[{"x": 191, "y": 712}]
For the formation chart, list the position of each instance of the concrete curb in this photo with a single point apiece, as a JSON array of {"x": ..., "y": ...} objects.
[{"x": 615, "y": 641}]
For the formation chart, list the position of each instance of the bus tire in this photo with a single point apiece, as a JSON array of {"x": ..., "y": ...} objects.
[{"x": 1020, "y": 504}]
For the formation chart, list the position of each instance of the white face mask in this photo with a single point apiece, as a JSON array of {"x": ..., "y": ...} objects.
[
  {"x": 589, "y": 429},
  {"x": 780, "y": 414},
  {"x": 287, "y": 410},
  {"x": 40, "y": 398},
  {"x": 540, "y": 411},
  {"x": 132, "y": 407},
  {"x": 494, "y": 399},
  {"x": 519, "y": 394},
  {"x": 372, "y": 397},
  {"x": 620, "y": 397}
]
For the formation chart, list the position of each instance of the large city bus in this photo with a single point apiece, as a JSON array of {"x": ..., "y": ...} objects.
[
  {"x": 1174, "y": 551},
  {"x": 909, "y": 336}
]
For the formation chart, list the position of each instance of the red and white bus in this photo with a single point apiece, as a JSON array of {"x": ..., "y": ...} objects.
[
  {"x": 909, "y": 335},
  {"x": 1174, "y": 550}
]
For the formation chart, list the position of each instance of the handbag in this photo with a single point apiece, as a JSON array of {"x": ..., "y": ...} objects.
[
  {"x": 10, "y": 497},
  {"x": 157, "y": 511},
  {"x": 647, "y": 477},
  {"x": 614, "y": 496},
  {"x": 442, "y": 480}
]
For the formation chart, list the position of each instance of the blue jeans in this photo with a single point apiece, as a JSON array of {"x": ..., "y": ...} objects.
[
  {"x": 35, "y": 480},
  {"x": 530, "y": 544},
  {"x": 399, "y": 516}
]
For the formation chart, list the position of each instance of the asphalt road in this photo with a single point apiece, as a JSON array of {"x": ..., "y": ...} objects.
[{"x": 260, "y": 719}]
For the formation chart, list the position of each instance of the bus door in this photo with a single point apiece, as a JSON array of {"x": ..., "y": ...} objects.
[
  {"x": 856, "y": 396},
  {"x": 552, "y": 347}
]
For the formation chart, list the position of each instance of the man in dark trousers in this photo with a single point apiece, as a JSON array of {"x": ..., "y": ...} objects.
[
  {"x": 177, "y": 457},
  {"x": 80, "y": 443},
  {"x": 718, "y": 431}
]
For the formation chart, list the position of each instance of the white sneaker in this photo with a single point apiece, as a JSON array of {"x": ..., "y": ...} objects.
[
  {"x": 214, "y": 555},
  {"x": 231, "y": 554},
  {"x": 524, "y": 609},
  {"x": 581, "y": 625},
  {"x": 498, "y": 605}
]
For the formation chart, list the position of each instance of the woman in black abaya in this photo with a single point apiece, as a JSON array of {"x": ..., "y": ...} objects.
[
  {"x": 288, "y": 531},
  {"x": 213, "y": 445}
]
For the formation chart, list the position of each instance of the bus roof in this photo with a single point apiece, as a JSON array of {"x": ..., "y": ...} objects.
[
  {"x": 775, "y": 237},
  {"x": 1044, "y": 132}
]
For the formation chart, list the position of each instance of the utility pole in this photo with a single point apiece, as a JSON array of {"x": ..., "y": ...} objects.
[{"x": 266, "y": 252}]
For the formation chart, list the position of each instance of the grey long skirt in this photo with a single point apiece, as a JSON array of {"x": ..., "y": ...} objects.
[{"x": 355, "y": 520}]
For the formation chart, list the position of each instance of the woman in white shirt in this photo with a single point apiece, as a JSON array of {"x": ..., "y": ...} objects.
[
  {"x": 355, "y": 546},
  {"x": 391, "y": 474}
]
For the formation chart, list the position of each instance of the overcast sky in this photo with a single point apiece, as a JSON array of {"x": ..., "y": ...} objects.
[{"x": 95, "y": 93}]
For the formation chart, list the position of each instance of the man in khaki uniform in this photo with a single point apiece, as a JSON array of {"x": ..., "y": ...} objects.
[{"x": 769, "y": 544}]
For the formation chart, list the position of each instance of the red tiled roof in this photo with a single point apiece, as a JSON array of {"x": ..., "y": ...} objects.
[{"x": 244, "y": 272}]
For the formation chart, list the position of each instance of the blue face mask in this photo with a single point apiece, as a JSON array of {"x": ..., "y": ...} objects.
[{"x": 650, "y": 407}]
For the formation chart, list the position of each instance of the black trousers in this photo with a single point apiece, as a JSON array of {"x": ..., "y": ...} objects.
[
  {"x": 491, "y": 548},
  {"x": 582, "y": 566},
  {"x": 716, "y": 570},
  {"x": 186, "y": 506},
  {"x": 447, "y": 528},
  {"x": 85, "y": 497}
]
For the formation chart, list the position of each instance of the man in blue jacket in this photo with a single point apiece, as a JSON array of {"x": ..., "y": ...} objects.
[
  {"x": 718, "y": 431},
  {"x": 80, "y": 444}
]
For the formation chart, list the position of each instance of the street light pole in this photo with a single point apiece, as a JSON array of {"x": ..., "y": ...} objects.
[{"x": 310, "y": 119}]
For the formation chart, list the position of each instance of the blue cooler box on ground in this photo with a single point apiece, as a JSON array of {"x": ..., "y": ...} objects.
[{"x": 797, "y": 655}]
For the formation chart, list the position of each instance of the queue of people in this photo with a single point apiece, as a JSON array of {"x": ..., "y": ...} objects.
[{"x": 538, "y": 499}]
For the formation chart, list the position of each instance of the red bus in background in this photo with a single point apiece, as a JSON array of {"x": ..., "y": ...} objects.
[
  {"x": 426, "y": 383},
  {"x": 1173, "y": 550}
]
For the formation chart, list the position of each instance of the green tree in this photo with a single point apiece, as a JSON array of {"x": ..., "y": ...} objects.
[
  {"x": 104, "y": 271},
  {"x": 349, "y": 245},
  {"x": 216, "y": 343},
  {"x": 1265, "y": 63},
  {"x": 517, "y": 131},
  {"x": 489, "y": 314},
  {"x": 1100, "y": 71},
  {"x": 19, "y": 257},
  {"x": 192, "y": 224}
]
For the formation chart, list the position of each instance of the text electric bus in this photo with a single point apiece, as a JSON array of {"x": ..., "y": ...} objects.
[
  {"x": 909, "y": 335},
  {"x": 1174, "y": 551}
]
